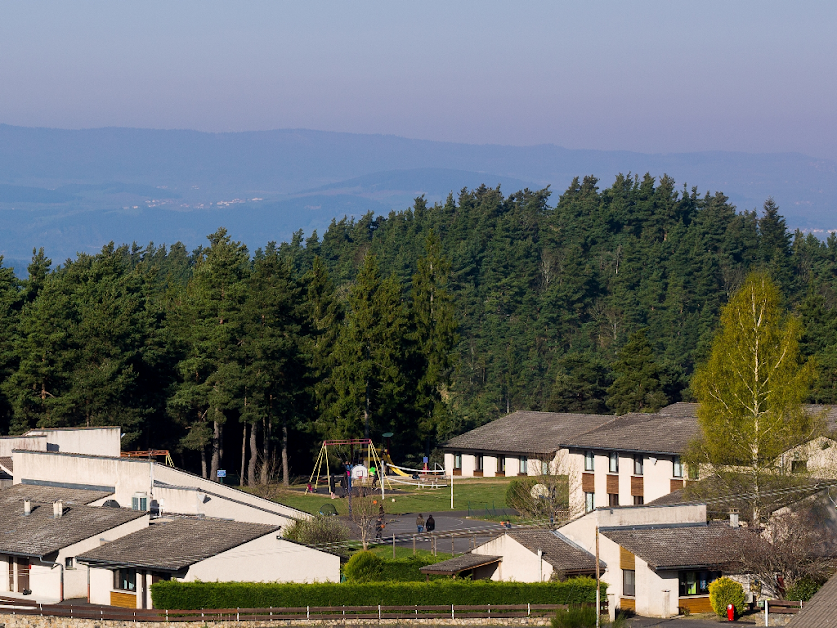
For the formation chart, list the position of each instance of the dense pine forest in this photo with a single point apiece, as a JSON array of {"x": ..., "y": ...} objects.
[{"x": 424, "y": 323}]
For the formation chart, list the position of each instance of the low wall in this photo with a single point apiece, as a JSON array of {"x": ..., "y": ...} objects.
[{"x": 30, "y": 621}]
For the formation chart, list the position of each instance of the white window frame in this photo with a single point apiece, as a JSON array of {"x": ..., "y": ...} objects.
[{"x": 677, "y": 467}]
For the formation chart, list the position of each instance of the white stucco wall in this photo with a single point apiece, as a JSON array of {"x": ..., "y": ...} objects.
[
  {"x": 128, "y": 476},
  {"x": 489, "y": 466},
  {"x": 268, "y": 559},
  {"x": 518, "y": 565},
  {"x": 10, "y": 443},
  {"x": 96, "y": 441}
]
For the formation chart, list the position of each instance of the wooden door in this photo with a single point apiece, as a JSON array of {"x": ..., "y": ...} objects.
[{"x": 22, "y": 574}]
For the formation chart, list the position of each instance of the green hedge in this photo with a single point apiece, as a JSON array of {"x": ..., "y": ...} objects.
[{"x": 195, "y": 595}]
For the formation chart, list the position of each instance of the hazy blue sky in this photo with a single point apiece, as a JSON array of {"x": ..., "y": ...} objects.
[{"x": 646, "y": 76}]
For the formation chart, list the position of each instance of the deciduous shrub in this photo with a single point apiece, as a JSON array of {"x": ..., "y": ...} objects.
[
  {"x": 803, "y": 589},
  {"x": 317, "y": 530},
  {"x": 575, "y": 617},
  {"x": 724, "y": 591},
  {"x": 364, "y": 567},
  {"x": 193, "y": 595}
]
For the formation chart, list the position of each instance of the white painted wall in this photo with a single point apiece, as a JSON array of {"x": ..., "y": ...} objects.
[
  {"x": 519, "y": 564},
  {"x": 96, "y": 441},
  {"x": 489, "y": 466},
  {"x": 10, "y": 443},
  {"x": 130, "y": 475}
]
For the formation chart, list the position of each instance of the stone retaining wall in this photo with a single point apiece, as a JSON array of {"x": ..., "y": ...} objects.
[{"x": 36, "y": 621}]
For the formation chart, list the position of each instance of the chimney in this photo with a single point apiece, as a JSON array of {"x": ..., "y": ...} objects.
[
  {"x": 733, "y": 519},
  {"x": 27, "y": 507},
  {"x": 57, "y": 509}
]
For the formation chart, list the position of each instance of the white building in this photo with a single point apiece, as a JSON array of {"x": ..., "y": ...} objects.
[
  {"x": 42, "y": 532},
  {"x": 209, "y": 550}
]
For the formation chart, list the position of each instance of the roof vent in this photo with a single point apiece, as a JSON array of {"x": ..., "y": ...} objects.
[
  {"x": 27, "y": 507},
  {"x": 57, "y": 509}
]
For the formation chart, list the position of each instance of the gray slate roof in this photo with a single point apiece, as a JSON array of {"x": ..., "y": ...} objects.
[
  {"x": 38, "y": 534},
  {"x": 7, "y": 464},
  {"x": 648, "y": 433},
  {"x": 679, "y": 547},
  {"x": 177, "y": 544},
  {"x": 527, "y": 432},
  {"x": 48, "y": 494},
  {"x": 459, "y": 564},
  {"x": 820, "y": 611},
  {"x": 558, "y": 550}
]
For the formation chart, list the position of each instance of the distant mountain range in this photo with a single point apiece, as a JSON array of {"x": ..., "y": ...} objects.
[{"x": 73, "y": 191}]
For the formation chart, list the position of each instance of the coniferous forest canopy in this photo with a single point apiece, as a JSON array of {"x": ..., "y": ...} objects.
[{"x": 424, "y": 323}]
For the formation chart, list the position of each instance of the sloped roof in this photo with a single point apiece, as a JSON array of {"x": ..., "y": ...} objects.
[
  {"x": 820, "y": 611},
  {"x": 39, "y": 534},
  {"x": 558, "y": 550},
  {"x": 7, "y": 465},
  {"x": 679, "y": 547},
  {"x": 49, "y": 494},
  {"x": 460, "y": 563},
  {"x": 668, "y": 433},
  {"x": 177, "y": 544},
  {"x": 527, "y": 432}
]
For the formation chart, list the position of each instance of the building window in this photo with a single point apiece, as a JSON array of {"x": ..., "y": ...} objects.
[
  {"x": 589, "y": 461},
  {"x": 524, "y": 464},
  {"x": 694, "y": 472},
  {"x": 799, "y": 466},
  {"x": 478, "y": 462},
  {"x": 457, "y": 461},
  {"x": 629, "y": 582},
  {"x": 637, "y": 465},
  {"x": 678, "y": 467},
  {"x": 696, "y": 582},
  {"x": 613, "y": 499},
  {"x": 589, "y": 502},
  {"x": 125, "y": 579},
  {"x": 69, "y": 563},
  {"x": 614, "y": 462},
  {"x": 639, "y": 500},
  {"x": 501, "y": 464},
  {"x": 544, "y": 467}
]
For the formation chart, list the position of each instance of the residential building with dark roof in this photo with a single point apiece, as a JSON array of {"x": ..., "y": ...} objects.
[
  {"x": 659, "y": 559},
  {"x": 209, "y": 550},
  {"x": 41, "y": 537}
]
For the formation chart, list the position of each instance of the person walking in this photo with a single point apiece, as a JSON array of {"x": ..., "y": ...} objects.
[
  {"x": 431, "y": 523},
  {"x": 379, "y": 525},
  {"x": 420, "y": 523}
]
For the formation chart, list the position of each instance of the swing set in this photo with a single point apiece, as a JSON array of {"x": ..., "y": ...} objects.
[{"x": 359, "y": 473}]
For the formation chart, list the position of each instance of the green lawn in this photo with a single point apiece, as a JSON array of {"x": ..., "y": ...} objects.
[{"x": 478, "y": 493}]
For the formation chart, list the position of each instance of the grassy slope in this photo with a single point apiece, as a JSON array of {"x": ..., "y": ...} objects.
[{"x": 478, "y": 492}]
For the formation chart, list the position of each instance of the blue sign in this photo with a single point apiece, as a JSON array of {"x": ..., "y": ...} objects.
[{"x": 222, "y": 473}]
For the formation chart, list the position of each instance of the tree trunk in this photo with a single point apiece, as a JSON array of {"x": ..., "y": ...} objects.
[
  {"x": 203, "y": 463},
  {"x": 216, "y": 452},
  {"x": 265, "y": 452},
  {"x": 285, "y": 479},
  {"x": 241, "y": 478},
  {"x": 254, "y": 455},
  {"x": 366, "y": 413}
]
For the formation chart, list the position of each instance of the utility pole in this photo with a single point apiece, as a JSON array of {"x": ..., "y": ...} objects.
[{"x": 598, "y": 584}]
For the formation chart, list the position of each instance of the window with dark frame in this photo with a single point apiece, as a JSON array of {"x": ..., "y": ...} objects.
[
  {"x": 69, "y": 562},
  {"x": 629, "y": 582},
  {"x": 589, "y": 502},
  {"x": 696, "y": 582},
  {"x": 613, "y": 460},
  {"x": 799, "y": 466},
  {"x": 589, "y": 461},
  {"x": 501, "y": 464},
  {"x": 478, "y": 462},
  {"x": 639, "y": 500},
  {"x": 637, "y": 465},
  {"x": 524, "y": 465},
  {"x": 457, "y": 461},
  {"x": 678, "y": 467},
  {"x": 613, "y": 499},
  {"x": 125, "y": 579}
]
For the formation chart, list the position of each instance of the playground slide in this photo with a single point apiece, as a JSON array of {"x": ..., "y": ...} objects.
[{"x": 392, "y": 466}]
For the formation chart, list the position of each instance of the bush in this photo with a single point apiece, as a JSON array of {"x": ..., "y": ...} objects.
[
  {"x": 193, "y": 595},
  {"x": 364, "y": 567},
  {"x": 317, "y": 530},
  {"x": 803, "y": 589},
  {"x": 724, "y": 591},
  {"x": 575, "y": 617},
  {"x": 406, "y": 569}
]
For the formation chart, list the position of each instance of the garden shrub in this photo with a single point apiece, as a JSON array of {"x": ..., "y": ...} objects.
[
  {"x": 364, "y": 567},
  {"x": 194, "y": 595},
  {"x": 724, "y": 591},
  {"x": 317, "y": 530},
  {"x": 575, "y": 617},
  {"x": 803, "y": 589}
]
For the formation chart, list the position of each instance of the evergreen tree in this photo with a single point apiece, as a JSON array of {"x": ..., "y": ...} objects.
[
  {"x": 637, "y": 386},
  {"x": 581, "y": 385}
]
